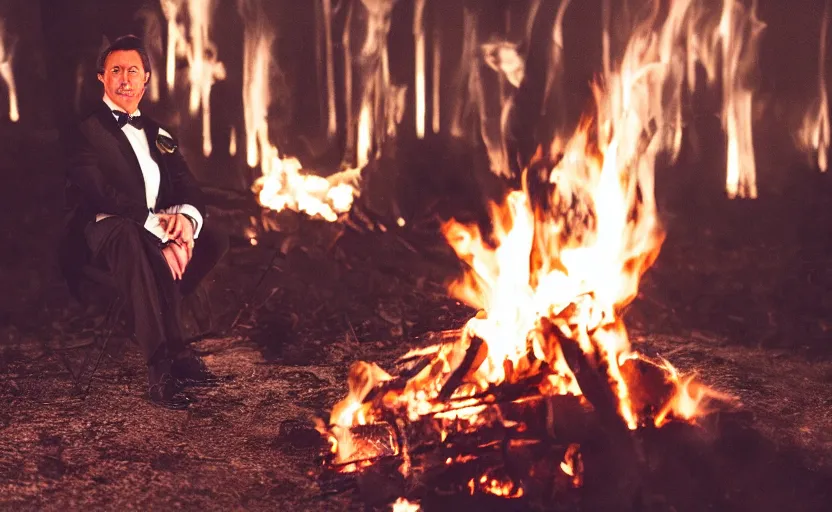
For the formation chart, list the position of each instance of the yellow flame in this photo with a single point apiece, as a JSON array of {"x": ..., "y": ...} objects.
[
  {"x": 176, "y": 39},
  {"x": 498, "y": 486},
  {"x": 437, "y": 79},
  {"x": 592, "y": 254},
  {"x": 283, "y": 186},
  {"x": 566, "y": 253},
  {"x": 419, "y": 40},
  {"x": 257, "y": 43},
  {"x": 153, "y": 43},
  {"x": 365, "y": 132},
  {"x": 232, "y": 142},
  {"x": 816, "y": 134},
  {"x": 686, "y": 403},
  {"x": 332, "y": 120},
  {"x": 738, "y": 55},
  {"x": 204, "y": 67},
  {"x": 7, "y": 73},
  {"x": 403, "y": 505},
  {"x": 572, "y": 465}
]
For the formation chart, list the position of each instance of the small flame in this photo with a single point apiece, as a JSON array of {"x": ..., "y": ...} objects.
[
  {"x": 419, "y": 41},
  {"x": 176, "y": 39},
  {"x": 332, "y": 119},
  {"x": 283, "y": 186},
  {"x": 365, "y": 134},
  {"x": 153, "y": 32},
  {"x": 816, "y": 134},
  {"x": 573, "y": 465},
  {"x": 437, "y": 80},
  {"x": 498, "y": 486},
  {"x": 7, "y": 73},
  {"x": 232, "y": 142},
  {"x": 257, "y": 43},
  {"x": 403, "y": 505},
  {"x": 739, "y": 55},
  {"x": 688, "y": 397}
]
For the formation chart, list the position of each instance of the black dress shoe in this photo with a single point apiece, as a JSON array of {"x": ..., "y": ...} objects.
[
  {"x": 191, "y": 371},
  {"x": 167, "y": 392}
]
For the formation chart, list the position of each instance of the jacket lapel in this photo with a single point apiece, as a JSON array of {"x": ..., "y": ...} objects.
[{"x": 108, "y": 121}]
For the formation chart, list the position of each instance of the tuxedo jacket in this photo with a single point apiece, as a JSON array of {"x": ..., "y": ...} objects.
[{"x": 104, "y": 176}]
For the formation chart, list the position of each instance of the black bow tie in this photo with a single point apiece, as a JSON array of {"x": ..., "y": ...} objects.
[{"x": 124, "y": 118}]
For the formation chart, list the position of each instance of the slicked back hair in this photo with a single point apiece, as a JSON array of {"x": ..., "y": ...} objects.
[{"x": 124, "y": 43}]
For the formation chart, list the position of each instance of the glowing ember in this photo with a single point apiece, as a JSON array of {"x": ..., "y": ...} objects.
[
  {"x": 573, "y": 465},
  {"x": 498, "y": 486},
  {"x": 7, "y": 73},
  {"x": 402, "y": 505}
]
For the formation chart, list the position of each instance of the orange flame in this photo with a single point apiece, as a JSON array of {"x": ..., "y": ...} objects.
[
  {"x": 573, "y": 465},
  {"x": 564, "y": 254},
  {"x": 498, "y": 486}
]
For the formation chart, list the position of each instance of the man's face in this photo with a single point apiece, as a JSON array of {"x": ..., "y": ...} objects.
[{"x": 124, "y": 79}]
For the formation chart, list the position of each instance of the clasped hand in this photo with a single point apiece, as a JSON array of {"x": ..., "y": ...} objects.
[{"x": 179, "y": 249}]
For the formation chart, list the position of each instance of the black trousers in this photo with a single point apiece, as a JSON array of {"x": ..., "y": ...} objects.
[{"x": 132, "y": 255}]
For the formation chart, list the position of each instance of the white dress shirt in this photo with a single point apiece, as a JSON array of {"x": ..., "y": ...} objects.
[{"x": 150, "y": 172}]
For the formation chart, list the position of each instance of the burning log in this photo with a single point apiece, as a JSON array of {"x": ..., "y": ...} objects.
[
  {"x": 590, "y": 372},
  {"x": 474, "y": 356}
]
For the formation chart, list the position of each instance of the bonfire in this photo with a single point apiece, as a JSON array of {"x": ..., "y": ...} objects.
[{"x": 550, "y": 276}]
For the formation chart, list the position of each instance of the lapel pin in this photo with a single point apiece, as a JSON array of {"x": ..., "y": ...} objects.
[{"x": 165, "y": 144}]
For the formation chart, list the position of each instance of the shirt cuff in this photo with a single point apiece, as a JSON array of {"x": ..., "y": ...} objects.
[
  {"x": 154, "y": 225},
  {"x": 190, "y": 211}
]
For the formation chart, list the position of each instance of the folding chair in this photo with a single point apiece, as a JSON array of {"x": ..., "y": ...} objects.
[{"x": 96, "y": 285}]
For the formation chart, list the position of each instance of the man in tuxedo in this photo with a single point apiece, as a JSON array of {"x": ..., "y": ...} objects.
[{"x": 140, "y": 214}]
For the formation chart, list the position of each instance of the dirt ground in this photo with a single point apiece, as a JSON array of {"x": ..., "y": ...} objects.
[{"x": 335, "y": 296}]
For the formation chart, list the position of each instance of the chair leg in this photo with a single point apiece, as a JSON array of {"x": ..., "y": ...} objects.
[
  {"x": 110, "y": 316},
  {"x": 111, "y": 320}
]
